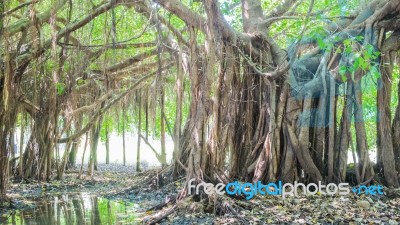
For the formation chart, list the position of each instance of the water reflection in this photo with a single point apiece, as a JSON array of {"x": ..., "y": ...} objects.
[{"x": 76, "y": 209}]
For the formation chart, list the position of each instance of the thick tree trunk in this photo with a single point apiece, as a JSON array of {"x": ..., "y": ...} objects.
[
  {"x": 344, "y": 134},
  {"x": 319, "y": 137},
  {"x": 396, "y": 132},
  {"x": 302, "y": 144},
  {"x": 289, "y": 161},
  {"x": 385, "y": 144},
  {"x": 331, "y": 128},
  {"x": 365, "y": 166},
  {"x": 3, "y": 166},
  {"x": 259, "y": 150},
  {"x": 38, "y": 155},
  {"x": 75, "y": 144},
  {"x": 72, "y": 155},
  {"x": 8, "y": 110},
  {"x": 196, "y": 157},
  {"x": 94, "y": 140},
  {"x": 179, "y": 87}
]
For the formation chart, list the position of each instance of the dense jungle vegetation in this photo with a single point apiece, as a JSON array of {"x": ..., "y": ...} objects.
[{"x": 249, "y": 90}]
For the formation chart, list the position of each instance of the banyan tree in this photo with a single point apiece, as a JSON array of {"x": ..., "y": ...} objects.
[{"x": 273, "y": 91}]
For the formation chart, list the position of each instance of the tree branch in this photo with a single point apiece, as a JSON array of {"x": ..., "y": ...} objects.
[
  {"x": 281, "y": 9},
  {"x": 25, "y": 22},
  {"x": 184, "y": 13},
  {"x": 269, "y": 75},
  {"x": 21, "y": 59},
  {"x": 15, "y": 9},
  {"x": 108, "y": 106},
  {"x": 158, "y": 156},
  {"x": 131, "y": 61}
]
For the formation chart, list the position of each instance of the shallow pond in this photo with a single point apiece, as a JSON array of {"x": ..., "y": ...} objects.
[{"x": 78, "y": 209}]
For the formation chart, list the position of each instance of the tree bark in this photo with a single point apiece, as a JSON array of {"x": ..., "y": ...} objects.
[
  {"x": 107, "y": 145},
  {"x": 139, "y": 130},
  {"x": 75, "y": 144},
  {"x": 361, "y": 137},
  {"x": 385, "y": 144},
  {"x": 179, "y": 87},
  {"x": 396, "y": 131},
  {"x": 162, "y": 121},
  {"x": 94, "y": 140},
  {"x": 123, "y": 134},
  {"x": 344, "y": 134}
]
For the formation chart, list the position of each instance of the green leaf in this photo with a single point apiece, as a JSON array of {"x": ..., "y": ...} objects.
[
  {"x": 363, "y": 63},
  {"x": 342, "y": 70},
  {"x": 344, "y": 78},
  {"x": 370, "y": 49},
  {"x": 375, "y": 73},
  {"x": 60, "y": 88},
  {"x": 347, "y": 42},
  {"x": 377, "y": 54},
  {"x": 320, "y": 42},
  {"x": 80, "y": 82},
  {"x": 360, "y": 63},
  {"x": 359, "y": 38},
  {"x": 348, "y": 49},
  {"x": 356, "y": 64}
]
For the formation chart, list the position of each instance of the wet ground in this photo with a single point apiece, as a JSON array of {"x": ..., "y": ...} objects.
[
  {"x": 82, "y": 208},
  {"x": 118, "y": 195},
  {"x": 104, "y": 198}
]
